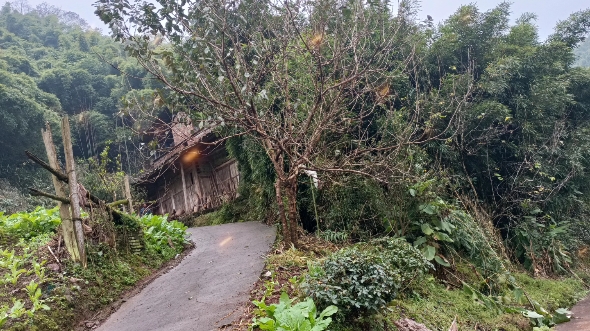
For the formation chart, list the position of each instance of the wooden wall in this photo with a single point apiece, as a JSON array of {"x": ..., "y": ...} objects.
[{"x": 206, "y": 183}]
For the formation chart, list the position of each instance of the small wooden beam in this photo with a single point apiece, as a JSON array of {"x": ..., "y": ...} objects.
[
  {"x": 61, "y": 176},
  {"x": 39, "y": 193},
  {"x": 117, "y": 203},
  {"x": 186, "y": 206}
]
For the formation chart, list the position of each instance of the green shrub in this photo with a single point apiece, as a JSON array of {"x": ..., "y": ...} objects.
[
  {"x": 365, "y": 277},
  {"x": 351, "y": 205},
  {"x": 162, "y": 236},
  {"x": 286, "y": 316},
  {"x": 28, "y": 225}
]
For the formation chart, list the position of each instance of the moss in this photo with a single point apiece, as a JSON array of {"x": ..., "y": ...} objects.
[
  {"x": 212, "y": 218},
  {"x": 111, "y": 274}
]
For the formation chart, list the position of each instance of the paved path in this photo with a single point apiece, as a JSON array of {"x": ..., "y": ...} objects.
[
  {"x": 581, "y": 319},
  {"x": 206, "y": 289}
]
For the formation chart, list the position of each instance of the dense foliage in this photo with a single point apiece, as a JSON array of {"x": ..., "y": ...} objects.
[
  {"x": 41, "y": 297},
  {"x": 366, "y": 277},
  {"x": 162, "y": 236},
  {"x": 285, "y": 315},
  {"x": 51, "y": 64},
  {"x": 25, "y": 225}
]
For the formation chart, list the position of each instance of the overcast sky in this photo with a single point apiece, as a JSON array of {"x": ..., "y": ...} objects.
[{"x": 548, "y": 11}]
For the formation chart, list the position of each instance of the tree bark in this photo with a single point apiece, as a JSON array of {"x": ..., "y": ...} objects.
[
  {"x": 291, "y": 191},
  {"x": 282, "y": 216},
  {"x": 74, "y": 189}
]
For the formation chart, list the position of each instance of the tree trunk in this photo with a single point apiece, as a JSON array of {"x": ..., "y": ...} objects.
[
  {"x": 291, "y": 191},
  {"x": 282, "y": 217},
  {"x": 74, "y": 188}
]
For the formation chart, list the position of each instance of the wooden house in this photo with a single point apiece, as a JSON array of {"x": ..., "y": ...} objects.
[{"x": 193, "y": 175}]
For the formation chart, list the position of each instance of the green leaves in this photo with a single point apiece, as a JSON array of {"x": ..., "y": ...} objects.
[
  {"x": 541, "y": 318},
  {"x": 435, "y": 231},
  {"x": 284, "y": 315},
  {"x": 429, "y": 209},
  {"x": 426, "y": 229},
  {"x": 429, "y": 252},
  {"x": 367, "y": 276},
  {"x": 163, "y": 236},
  {"x": 442, "y": 261},
  {"x": 28, "y": 225}
]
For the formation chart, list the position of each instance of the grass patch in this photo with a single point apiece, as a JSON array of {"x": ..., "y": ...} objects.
[
  {"x": 212, "y": 218},
  {"x": 552, "y": 293},
  {"x": 435, "y": 306}
]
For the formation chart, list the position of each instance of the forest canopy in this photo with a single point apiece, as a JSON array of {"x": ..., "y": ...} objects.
[
  {"x": 52, "y": 64},
  {"x": 582, "y": 53}
]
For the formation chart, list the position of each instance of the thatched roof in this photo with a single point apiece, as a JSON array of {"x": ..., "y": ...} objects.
[{"x": 165, "y": 162}]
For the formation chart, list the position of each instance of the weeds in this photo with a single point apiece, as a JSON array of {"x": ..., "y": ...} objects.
[{"x": 285, "y": 315}]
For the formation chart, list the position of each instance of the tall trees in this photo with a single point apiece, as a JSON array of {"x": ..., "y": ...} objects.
[
  {"x": 350, "y": 87},
  {"x": 583, "y": 54},
  {"x": 52, "y": 63}
]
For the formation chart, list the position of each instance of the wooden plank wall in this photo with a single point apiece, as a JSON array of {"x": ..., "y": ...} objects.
[{"x": 206, "y": 185}]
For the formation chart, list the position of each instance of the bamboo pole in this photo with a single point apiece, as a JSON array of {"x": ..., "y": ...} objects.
[
  {"x": 74, "y": 189},
  {"x": 128, "y": 194},
  {"x": 67, "y": 226}
]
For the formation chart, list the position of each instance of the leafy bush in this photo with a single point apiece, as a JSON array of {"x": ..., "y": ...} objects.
[
  {"x": 28, "y": 225},
  {"x": 285, "y": 316},
  {"x": 538, "y": 244},
  {"x": 163, "y": 236},
  {"x": 333, "y": 236},
  {"x": 352, "y": 205},
  {"x": 367, "y": 276}
]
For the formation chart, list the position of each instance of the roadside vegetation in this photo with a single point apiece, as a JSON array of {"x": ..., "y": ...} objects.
[
  {"x": 43, "y": 290},
  {"x": 446, "y": 164},
  {"x": 417, "y": 173}
]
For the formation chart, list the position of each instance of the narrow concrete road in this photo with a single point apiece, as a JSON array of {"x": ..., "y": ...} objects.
[
  {"x": 580, "y": 320},
  {"x": 206, "y": 289}
]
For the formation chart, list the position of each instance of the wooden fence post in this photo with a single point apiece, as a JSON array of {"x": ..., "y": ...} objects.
[
  {"x": 74, "y": 189},
  {"x": 128, "y": 194},
  {"x": 67, "y": 225}
]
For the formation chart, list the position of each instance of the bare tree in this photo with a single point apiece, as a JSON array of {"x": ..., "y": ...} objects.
[{"x": 321, "y": 85}]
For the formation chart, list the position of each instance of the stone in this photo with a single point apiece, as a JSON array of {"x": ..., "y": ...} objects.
[{"x": 53, "y": 267}]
